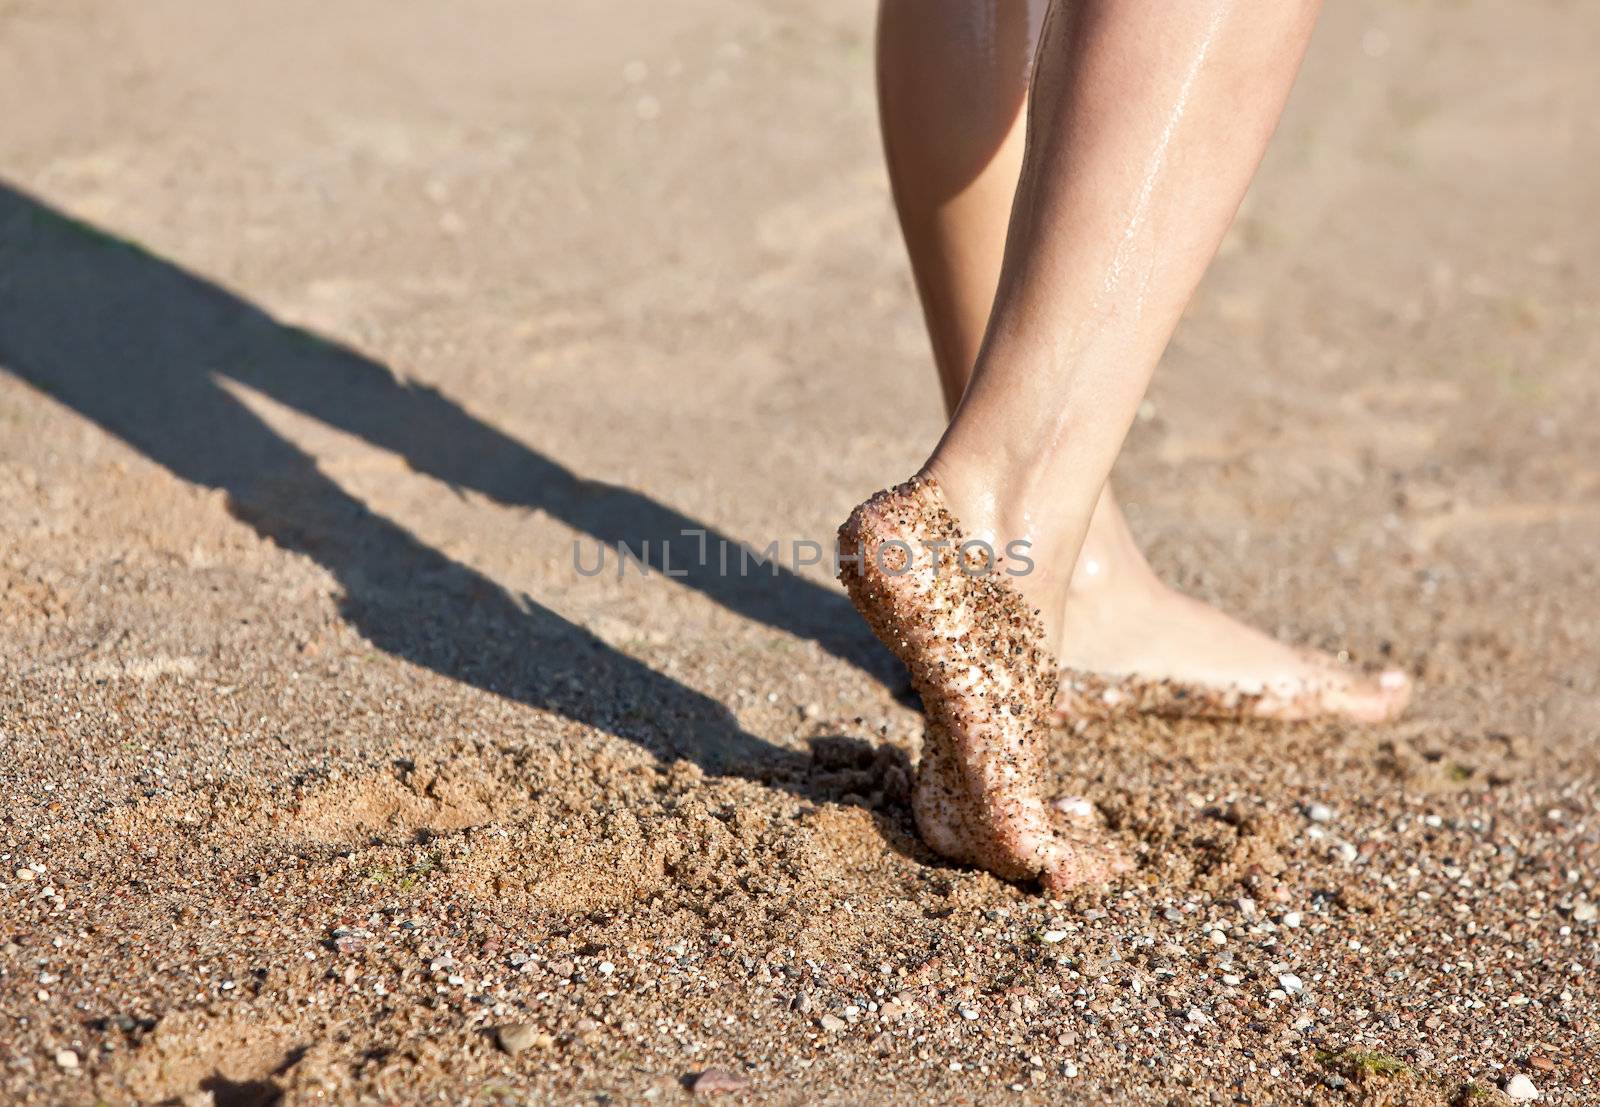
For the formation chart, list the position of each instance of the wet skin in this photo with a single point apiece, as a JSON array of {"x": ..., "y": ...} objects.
[{"x": 953, "y": 80}]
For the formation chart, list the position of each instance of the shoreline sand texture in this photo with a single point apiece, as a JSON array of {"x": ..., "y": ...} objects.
[{"x": 327, "y": 330}]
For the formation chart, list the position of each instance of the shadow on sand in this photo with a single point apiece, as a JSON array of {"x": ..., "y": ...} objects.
[{"x": 143, "y": 348}]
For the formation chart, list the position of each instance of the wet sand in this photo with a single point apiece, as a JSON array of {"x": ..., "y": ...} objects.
[{"x": 326, "y": 332}]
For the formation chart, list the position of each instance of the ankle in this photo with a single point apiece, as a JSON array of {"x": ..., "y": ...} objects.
[
  {"x": 993, "y": 507},
  {"x": 1015, "y": 535},
  {"x": 1109, "y": 562}
]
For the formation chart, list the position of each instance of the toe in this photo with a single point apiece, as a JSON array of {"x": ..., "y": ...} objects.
[
  {"x": 1080, "y": 864},
  {"x": 1371, "y": 699}
]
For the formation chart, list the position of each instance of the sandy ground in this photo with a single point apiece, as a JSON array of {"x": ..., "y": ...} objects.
[{"x": 326, "y": 330}]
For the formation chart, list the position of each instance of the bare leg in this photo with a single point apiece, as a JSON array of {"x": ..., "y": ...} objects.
[
  {"x": 953, "y": 80},
  {"x": 1145, "y": 125}
]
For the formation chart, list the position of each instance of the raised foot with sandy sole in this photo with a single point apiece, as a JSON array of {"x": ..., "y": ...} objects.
[{"x": 974, "y": 650}]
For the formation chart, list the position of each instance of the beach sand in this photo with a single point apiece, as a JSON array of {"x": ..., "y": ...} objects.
[{"x": 327, "y": 331}]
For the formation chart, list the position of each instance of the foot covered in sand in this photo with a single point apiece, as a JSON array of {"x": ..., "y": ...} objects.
[
  {"x": 976, "y": 656},
  {"x": 1131, "y": 645}
]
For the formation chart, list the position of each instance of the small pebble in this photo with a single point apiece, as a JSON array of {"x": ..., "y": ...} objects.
[
  {"x": 1521, "y": 1089},
  {"x": 1584, "y": 911},
  {"x": 1052, "y": 936},
  {"x": 1291, "y": 919},
  {"x": 717, "y": 1081},
  {"x": 1290, "y": 983},
  {"x": 1319, "y": 813},
  {"x": 66, "y": 1058},
  {"x": 1218, "y": 938},
  {"x": 832, "y": 1023},
  {"x": 518, "y": 1036}
]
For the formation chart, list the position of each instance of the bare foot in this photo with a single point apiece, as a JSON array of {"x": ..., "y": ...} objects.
[
  {"x": 974, "y": 650},
  {"x": 1130, "y": 644}
]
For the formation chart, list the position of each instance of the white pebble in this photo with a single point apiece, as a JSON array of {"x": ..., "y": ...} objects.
[
  {"x": 66, "y": 1058},
  {"x": 969, "y": 1013},
  {"x": 606, "y": 968},
  {"x": 1319, "y": 813},
  {"x": 1052, "y": 936},
  {"x": 1290, "y": 983},
  {"x": 1291, "y": 919},
  {"x": 1218, "y": 938},
  {"x": 1521, "y": 1089},
  {"x": 1232, "y": 979}
]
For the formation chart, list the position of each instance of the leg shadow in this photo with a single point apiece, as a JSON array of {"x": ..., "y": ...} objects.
[
  {"x": 114, "y": 318},
  {"x": 140, "y": 347}
]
